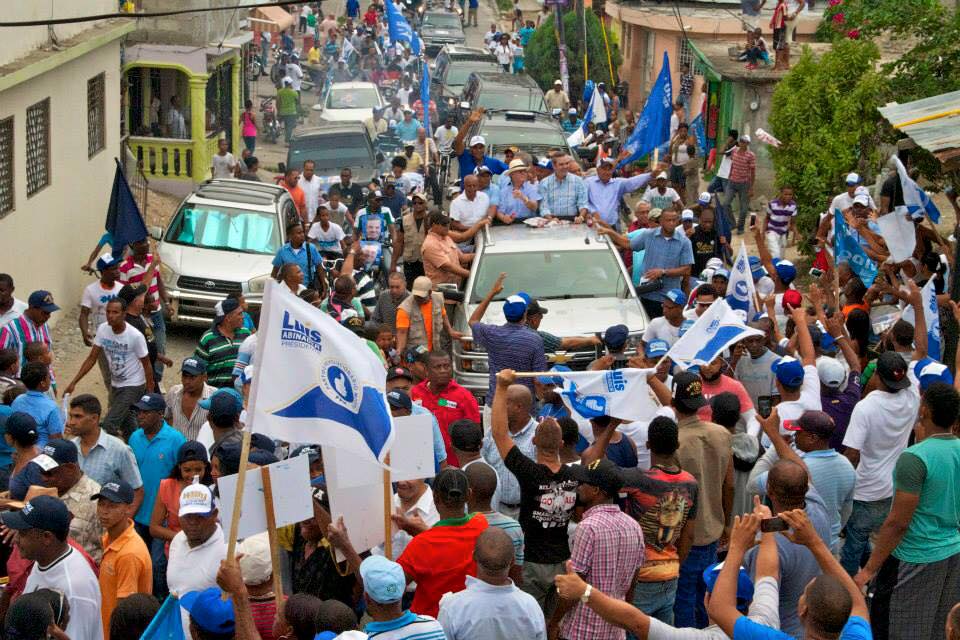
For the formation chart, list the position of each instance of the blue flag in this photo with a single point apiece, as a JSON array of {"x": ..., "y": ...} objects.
[
  {"x": 124, "y": 221},
  {"x": 848, "y": 249},
  {"x": 696, "y": 128},
  {"x": 425, "y": 96},
  {"x": 653, "y": 127},
  {"x": 397, "y": 25},
  {"x": 166, "y": 624}
]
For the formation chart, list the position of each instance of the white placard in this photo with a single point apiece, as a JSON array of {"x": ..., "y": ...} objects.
[
  {"x": 361, "y": 505},
  {"x": 290, "y": 480},
  {"x": 411, "y": 456}
]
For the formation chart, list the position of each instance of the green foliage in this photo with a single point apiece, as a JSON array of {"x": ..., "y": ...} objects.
[
  {"x": 824, "y": 112},
  {"x": 542, "y": 61},
  {"x": 871, "y": 17}
]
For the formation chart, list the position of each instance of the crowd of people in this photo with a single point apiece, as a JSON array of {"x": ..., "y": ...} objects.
[{"x": 804, "y": 483}]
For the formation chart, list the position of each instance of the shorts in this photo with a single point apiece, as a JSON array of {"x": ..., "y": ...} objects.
[{"x": 780, "y": 39}]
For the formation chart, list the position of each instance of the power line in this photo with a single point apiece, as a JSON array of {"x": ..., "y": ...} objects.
[{"x": 135, "y": 16}]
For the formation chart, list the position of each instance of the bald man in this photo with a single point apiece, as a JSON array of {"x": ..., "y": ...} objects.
[
  {"x": 548, "y": 491},
  {"x": 492, "y": 607},
  {"x": 521, "y": 428},
  {"x": 483, "y": 484}
]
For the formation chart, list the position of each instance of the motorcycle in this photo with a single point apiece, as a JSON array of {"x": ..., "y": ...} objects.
[
  {"x": 271, "y": 123},
  {"x": 254, "y": 68}
]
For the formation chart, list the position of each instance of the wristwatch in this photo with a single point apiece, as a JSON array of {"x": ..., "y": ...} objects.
[{"x": 586, "y": 594}]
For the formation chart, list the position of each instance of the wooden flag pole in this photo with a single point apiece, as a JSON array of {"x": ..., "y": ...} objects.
[
  {"x": 387, "y": 510},
  {"x": 272, "y": 536},
  {"x": 238, "y": 500}
]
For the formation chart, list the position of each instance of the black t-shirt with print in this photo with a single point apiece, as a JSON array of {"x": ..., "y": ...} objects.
[
  {"x": 547, "y": 500},
  {"x": 706, "y": 245}
]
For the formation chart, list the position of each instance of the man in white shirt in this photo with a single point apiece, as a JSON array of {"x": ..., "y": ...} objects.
[
  {"x": 312, "y": 187},
  {"x": 196, "y": 551},
  {"x": 798, "y": 382},
  {"x": 445, "y": 134},
  {"x": 415, "y": 499},
  {"x": 294, "y": 72},
  {"x": 223, "y": 165},
  {"x": 844, "y": 201},
  {"x": 667, "y": 326},
  {"x": 42, "y": 527},
  {"x": 176, "y": 123},
  {"x": 469, "y": 208},
  {"x": 10, "y": 307},
  {"x": 659, "y": 195}
]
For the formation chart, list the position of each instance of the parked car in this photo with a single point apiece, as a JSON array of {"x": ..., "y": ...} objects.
[
  {"x": 347, "y": 102},
  {"x": 439, "y": 28},
  {"x": 221, "y": 240},
  {"x": 501, "y": 91},
  {"x": 535, "y": 133},
  {"x": 452, "y": 67},
  {"x": 333, "y": 146},
  {"x": 577, "y": 275}
]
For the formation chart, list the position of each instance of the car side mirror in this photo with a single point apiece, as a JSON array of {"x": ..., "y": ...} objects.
[
  {"x": 155, "y": 232},
  {"x": 282, "y": 167}
]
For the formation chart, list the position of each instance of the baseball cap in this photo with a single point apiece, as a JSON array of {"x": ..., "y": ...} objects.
[
  {"x": 929, "y": 371},
  {"x": 744, "y": 583},
  {"x": 262, "y": 441},
  {"x": 43, "y": 512},
  {"x": 616, "y": 336},
  {"x": 451, "y": 484},
  {"x": 399, "y": 372},
  {"x": 557, "y": 380},
  {"x": 657, "y": 348},
  {"x": 688, "y": 391},
  {"x": 475, "y": 140},
  {"x": 482, "y": 168},
  {"x": 309, "y": 450},
  {"x": 756, "y": 268},
  {"x": 418, "y": 195},
  {"x": 557, "y": 82},
  {"x": 288, "y": 81},
  {"x": 21, "y": 425},
  {"x": 398, "y": 399},
  {"x": 55, "y": 453},
  {"x": 415, "y": 354},
  {"x": 571, "y": 110},
  {"x": 106, "y": 261},
  {"x": 383, "y": 579},
  {"x": 721, "y": 273},
  {"x": 687, "y": 214},
  {"x": 831, "y": 372},
  {"x": 354, "y": 323},
  {"x": 704, "y": 198},
  {"x": 785, "y": 271},
  {"x": 862, "y": 200},
  {"x": 514, "y": 307},
  {"x": 602, "y": 474},
  {"x": 130, "y": 292},
  {"x": 817, "y": 423},
  {"x": 789, "y": 371},
  {"x": 853, "y": 178},
  {"x": 745, "y": 137},
  {"x": 224, "y": 307},
  {"x": 655, "y": 214},
  {"x": 209, "y": 611},
  {"x": 534, "y": 309},
  {"x": 422, "y": 286},
  {"x": 892, "y": 370},
  {"x": 119, "y": 492},
  {"x": 223, "y": 402},
  {"x": 193, "y": 366},
  {"x": 676, "y": 296},
  {"x": 662, "y": 175},
  {"x": 192, "y": 451},
  {"x": 42, "y": 300},
  {"x": 150, "y": 402},
  {"x": 195, "y": 499},
  {"x": 793, "y": 298},
  {"x": 256, "y": 566}
]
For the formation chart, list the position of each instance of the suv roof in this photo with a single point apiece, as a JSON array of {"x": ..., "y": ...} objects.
[
  {"x": 489, "y": 78},
  {"x": 520, "y": 238},
  {"x": 329, "y": 127},
  {"x": 460, "y": 52},
  {"x": 246, "y": 192}
]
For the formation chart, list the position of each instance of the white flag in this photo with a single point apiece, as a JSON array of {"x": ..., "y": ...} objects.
[
  {"x": 931, "y": 314},
  {"x": 741, "y": 292},
  {"x": 714, "y": 331},
  {"x": 621, "y": 393},
  {"x": 898, "y": 232},
  {"x": 316, "y": 381}
]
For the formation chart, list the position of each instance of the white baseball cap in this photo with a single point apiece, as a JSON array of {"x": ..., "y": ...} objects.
[
  {"x": 853, "y": 178},
  {"x": 662, "y": 174},
  {"x": 831, "y": 372},
  {"x": 687, "y": 214},
  {"x": 745, "y": 138},
  {"x": 704, "y": 198},
  {"x": 256, "y": 566},
  {"x": 475, "y": 140},
  {"x": 862, "y": 199},
  {"x": 195, "y": 499}
]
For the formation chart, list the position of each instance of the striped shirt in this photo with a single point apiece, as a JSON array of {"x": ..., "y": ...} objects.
[
  {"x": 408, "y": 625},
  {"x": 779, "y": 215},
  {"x": 132, "y": 273},
  {"x": 563, "y": 198},
  {"x": 512, "y": 528},
  {"x": 20, "y": 331},
  {"x": 220, "y": 354},
  {"x": 189, "y": 426},
  {"x": 513, "y": 345},
  {"x": 743, "y": 166}
]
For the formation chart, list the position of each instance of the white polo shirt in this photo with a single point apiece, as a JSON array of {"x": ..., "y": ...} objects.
[
  {"x": 469, "y": 212},
  {"x": 71, "y": 574},
  {"x": 193, "y": 568}
]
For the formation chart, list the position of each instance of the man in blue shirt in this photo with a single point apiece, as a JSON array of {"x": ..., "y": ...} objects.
[
  {"x": 297, "y": 250},
  {"x": 667, "y": 259},
  {"x": 604, "y": 192},
  {"x": 564, "y": 194},
  {"x": 518, "y": 197},
  {"x": 406, "y": 129},
  {"x": 526, "y": 32},
  {"x": 36, "y": 378},
  {"x": 470, "y": 159}
]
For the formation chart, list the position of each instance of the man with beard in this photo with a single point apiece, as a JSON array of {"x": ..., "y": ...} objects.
[{"x": 445, "y": 399}]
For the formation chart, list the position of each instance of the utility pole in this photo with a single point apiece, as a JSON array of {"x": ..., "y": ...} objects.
[{"x": 558, "y": 6}]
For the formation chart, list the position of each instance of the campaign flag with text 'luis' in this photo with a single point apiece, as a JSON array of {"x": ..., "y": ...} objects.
[
  {"x": 620, "y": 393},
  {"x": 931, "y": 315},
  {"x": 653, "y": 126},
  {"x": 316, "y": 381},
  {"x": 718, "y": 328},
  {"x": 847, "y": 249},
  {"x": 741, "y": 294}
]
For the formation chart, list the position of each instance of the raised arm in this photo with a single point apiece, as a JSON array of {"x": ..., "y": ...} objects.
[
  {"x": 837, "y": 331},
  {"x": 571, "y": 586},
  {"x": 915, "y": 298},
  {"x": 804, "y": 344},
  {"x": 723, "y": 601},
  {"x": 481, "y": 309},
  {"x": 472, "y": 119},
  {"x": 498, "y": 429}
]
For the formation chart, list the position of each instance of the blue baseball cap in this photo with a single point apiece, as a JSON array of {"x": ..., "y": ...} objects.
[
  {"x": 744, "y": 583},
  {"x": 150, "y": 402},
  {"x": 657, "y": 348},
  {"x": 209, "y": 611},
  {"x": 42, "y": 300},
  {"x": 117, "y": 492},
  {"x": 616, "y": 336},
  {"x": 785, "y": 271},
  {"x": 676, "y": 296},
  {"x": 789, "y": 371},
  {"x": 721, "y": 273},
  {"x": 45, "y": 513},
  {"x": 223, "y": 402},
  {"x": 193, "y": 366},
  {"x": 106, "y": 261},
  {"x": 929, "y": 371},
  {"x": 514, "y": 307},
  {"x": 557, "y": 380},
  {"x": 383, "y": 579},
  {"x": 756, "y": 268}
]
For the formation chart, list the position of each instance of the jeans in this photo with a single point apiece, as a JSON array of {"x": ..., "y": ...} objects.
[
  {"x": 289, "y": 124},
  {"x": 158, "y": 558},
  {"x": 656, "y": 599},
  {"x": 689, "y": 610},
  {"x": 250, "y": 142},
  {"x": 865, "y": 518},
  {"x": 741, "y": 191},
  {"x": 159, "y": 339}
]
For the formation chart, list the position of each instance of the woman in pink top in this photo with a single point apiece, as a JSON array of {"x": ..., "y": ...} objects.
[
  {"x": 192, "y": 462},
  {"x": 248, "y": 120}
]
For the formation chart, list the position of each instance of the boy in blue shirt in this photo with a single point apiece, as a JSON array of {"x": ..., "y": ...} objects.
[{"x": 36, "y": 378}]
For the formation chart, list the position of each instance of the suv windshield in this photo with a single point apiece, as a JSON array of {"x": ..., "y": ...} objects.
[
  {"x": 460, "y": 70},
  {"x": 523, "y": 137},
  {"x": 225, "y": 228},
  {"x": 352, "y": 98},
  {"x": 442, "y": 20},
  {"x": 511, "y": 98},
  {"x": 332, "y": 152},
  {"x": 552, "y": 274}
]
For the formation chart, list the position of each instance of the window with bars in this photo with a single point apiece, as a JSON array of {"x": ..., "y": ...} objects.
[
  {"x": 686, "y": 57},
  {"x": 96, "y": 117},
  {"x": 6, "y": 166},
  {"x": 38, "y": 146}
]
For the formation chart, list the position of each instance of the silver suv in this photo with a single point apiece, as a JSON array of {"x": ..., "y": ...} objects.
[
  {"x": 574, "y": 273},
  {"x": 222, "y": 240}
]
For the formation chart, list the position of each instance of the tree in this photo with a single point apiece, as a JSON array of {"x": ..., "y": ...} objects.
[
  {"x": 542, "y": 60},
  {"x": 824, "y": 112}
]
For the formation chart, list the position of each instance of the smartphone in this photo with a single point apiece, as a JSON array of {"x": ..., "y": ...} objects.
[
  {"x": 753, "y": 220},
  {"x": 816, "y": 273},
  {"x": 771, "y": 525}
]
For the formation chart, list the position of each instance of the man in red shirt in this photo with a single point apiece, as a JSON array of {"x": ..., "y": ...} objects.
[
  {"x": 445, "y": 399},
  {"x": 291, "y": 182}
]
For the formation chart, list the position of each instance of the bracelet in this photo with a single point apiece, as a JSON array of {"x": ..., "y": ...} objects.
[{"x": 586, "y": 594}]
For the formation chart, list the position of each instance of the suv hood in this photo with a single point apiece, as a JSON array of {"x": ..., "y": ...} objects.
[
  {"x": 214, "y": 264},
  {"x": 345, "y": 115},
  {"x": 577, "y": 317}
]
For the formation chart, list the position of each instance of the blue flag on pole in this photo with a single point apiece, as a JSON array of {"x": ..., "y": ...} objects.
[
  {"x": 848, "y": 249},
  {"x": 124, "y": 221},
  {"x": 653, "y": 127},
  {"x": 166, "y": 624},
  {"x": 425, "y": 96},
  {"x": 397, "y": 25}
]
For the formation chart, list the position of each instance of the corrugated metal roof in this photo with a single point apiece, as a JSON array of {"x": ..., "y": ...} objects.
[{"x": 933, "y": 123}]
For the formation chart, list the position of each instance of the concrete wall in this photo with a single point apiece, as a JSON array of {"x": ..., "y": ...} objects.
[
  {"x": 46, "y": 238},
  {"x": 747, "y": 119},
  {"x": 199, "y": 29},
  {"x": 18, "y": 42}
]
